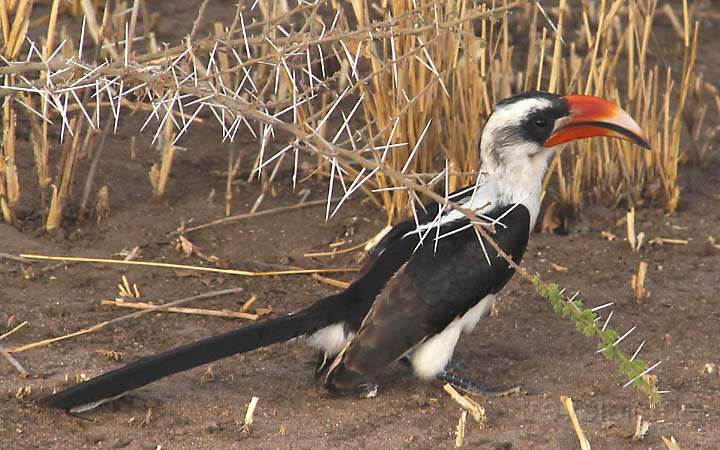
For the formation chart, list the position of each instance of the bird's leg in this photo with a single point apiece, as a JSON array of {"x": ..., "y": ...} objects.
[
  {"x": 455, "y": 365},
  {"x": 321, "y": 364},
  {"x": 472, "y": 387}
]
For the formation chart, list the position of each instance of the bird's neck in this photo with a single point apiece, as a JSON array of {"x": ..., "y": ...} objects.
[{"x": 519, "y": 183}]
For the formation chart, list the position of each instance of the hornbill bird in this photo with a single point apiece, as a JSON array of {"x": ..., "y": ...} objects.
[{"x": 428, "y": 279}]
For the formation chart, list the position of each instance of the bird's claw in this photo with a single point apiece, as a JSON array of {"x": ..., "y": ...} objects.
[{"x": 367, "y": 390}]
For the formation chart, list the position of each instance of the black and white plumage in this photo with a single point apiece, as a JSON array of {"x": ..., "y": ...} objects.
[{"x": 413, "y": 299}]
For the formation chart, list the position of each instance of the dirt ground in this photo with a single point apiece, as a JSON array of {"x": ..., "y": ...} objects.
[{"x": 202, "y": 408}]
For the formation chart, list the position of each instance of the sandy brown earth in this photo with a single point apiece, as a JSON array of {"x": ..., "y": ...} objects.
[{"x": 525, "y": 344}]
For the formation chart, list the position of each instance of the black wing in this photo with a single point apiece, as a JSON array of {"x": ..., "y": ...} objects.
[
  {"x": 428, "y": 213},
  {"x": 433, "y": 288},
  {"x": 385, "y": 259}
]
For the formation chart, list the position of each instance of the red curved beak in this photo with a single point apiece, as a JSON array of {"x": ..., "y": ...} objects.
[{"x": 592, "y": 117}]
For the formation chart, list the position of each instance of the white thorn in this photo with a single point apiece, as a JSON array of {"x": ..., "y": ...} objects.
[
  {"x": 619, "y": 340},
  {"x": 637, "y": 351},
  {"x": 598, "y": 308},
  {"x": 642, "y": 373},
  {"x": 607, "y": 320}
]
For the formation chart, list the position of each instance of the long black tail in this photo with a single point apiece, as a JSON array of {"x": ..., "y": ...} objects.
[{"x": 146, "y": 370}]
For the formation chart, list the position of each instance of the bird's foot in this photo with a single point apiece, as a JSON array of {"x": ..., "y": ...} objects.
[
  {"x": 451, "y": 366},
  {"x": 367, "y": 390},
  {"x": 472, "y": 387},
  {"x": 454, "y": 366}
]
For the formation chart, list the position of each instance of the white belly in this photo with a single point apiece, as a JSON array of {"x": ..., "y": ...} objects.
[{"x": 432, "y": 356}]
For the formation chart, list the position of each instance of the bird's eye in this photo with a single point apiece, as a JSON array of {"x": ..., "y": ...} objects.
[{"x": 540, "y": 123}]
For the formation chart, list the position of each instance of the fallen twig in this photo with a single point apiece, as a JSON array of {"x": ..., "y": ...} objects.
[
  {"x": 15, "y": 258},
  {"x": 14, "y": 362},
  {"x": 198, "y": 311},
  {"x": 336, "y": 251},
  {"x": 330, "y": 281},
  {"x": 662, "y": 240},
  {"x": 246, "y": 273}
]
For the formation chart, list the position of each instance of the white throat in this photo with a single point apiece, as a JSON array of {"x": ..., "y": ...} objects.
[
  {"x": 516, "y": 173},
  {"x": 519, "y": 182}
]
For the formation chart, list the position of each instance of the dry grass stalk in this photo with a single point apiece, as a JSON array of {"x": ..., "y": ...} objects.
[
  {"x": 568, "y": 404},
  {"x": 101, "y": 325},
  {"x": 245, "y": 273},
  {"x": 637, "y": 283},
  {"x": 9, "y": 183},
  {"x": 10, "y": 257},
  {"x": 249, "y": 414},
  {"x": 608, "y": 235},
  {"x": 671, "y": 241},
  {"x": 618, "y": 171},
  {"x": 248, "y": 303},
  {"x": 460, "y": 430},
  {"x": 468, "y": 404},
  {"x": 671, "y": 443},
  {"x": 102, "y": 205},
  {"x": 46, "y": 342},
  {"x": 159, "y": 174},
  {"x": 430, "y": 80},
  {"x": 125, "y": 291},
  {"x": 641, "y": 428},
  {"x": 174, "y": 309},
  {"x": 635, "y": 240},
  {"x": 66, "y": 172},
  {"x": 15, "y": 38},
  {"x": 98, "y": 31},
  {"x": 331, "y": 281},
  {"x": 711, "y": 241},
  {"x": 41, "y": 149},
  {"x": 335, "y": 251},
  {"x": 9, "y": 333},
  {"x": 651, "y": 380},
  {"x": 12, "y": 39},
  {"x": 617, "y": 166}
]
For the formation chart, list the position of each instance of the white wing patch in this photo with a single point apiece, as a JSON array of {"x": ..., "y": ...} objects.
[{"x": 330, "y": 339}]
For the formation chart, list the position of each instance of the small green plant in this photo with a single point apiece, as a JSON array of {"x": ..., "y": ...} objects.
[{"x": 587, "y": 322}]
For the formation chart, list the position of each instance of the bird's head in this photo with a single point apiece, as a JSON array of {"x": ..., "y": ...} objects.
[{"x": 524, "y": 130}]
